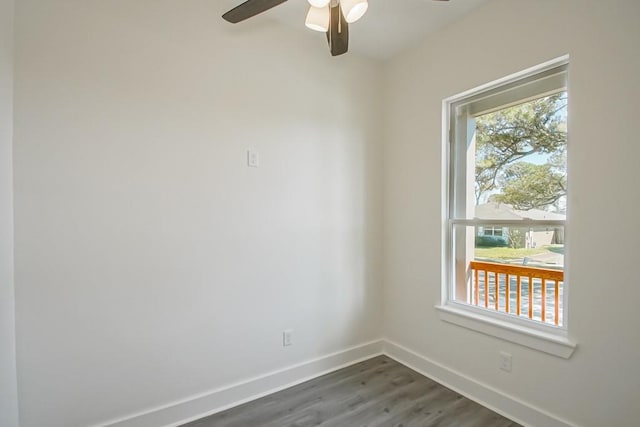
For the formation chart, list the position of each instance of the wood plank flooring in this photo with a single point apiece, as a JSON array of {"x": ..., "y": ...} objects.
[{"x": 378, "y": 392}]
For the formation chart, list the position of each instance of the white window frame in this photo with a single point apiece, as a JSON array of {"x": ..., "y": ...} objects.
[{"x": 528, "y": 84}]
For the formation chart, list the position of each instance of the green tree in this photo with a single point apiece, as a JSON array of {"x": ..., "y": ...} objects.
[
  {"x": 516, "y": 238},
  {"x": 527, "y": 186},
  {"x": 506, "y": 137}
]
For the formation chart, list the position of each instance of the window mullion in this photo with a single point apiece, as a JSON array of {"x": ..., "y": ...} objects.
[{"x": 507, "y": 222}]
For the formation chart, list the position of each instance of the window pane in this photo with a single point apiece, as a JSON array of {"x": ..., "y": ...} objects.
[
  {"x": 520, "y": 161},
  {"x": 520, "y": 273}
]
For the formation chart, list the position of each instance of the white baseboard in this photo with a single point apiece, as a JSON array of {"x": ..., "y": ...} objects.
[
  {"x": 195, "y": 407},
  {"x": 214, "y": 401},
  {"x": 508, "y": 406}
]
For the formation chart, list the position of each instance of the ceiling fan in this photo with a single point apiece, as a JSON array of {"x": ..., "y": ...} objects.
[{"x": 328, "y": 16}]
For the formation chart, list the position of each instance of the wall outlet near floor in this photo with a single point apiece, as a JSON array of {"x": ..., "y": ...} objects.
[
  {"x": 287, "y": 337},
  {"x": 505, "y": 361}
]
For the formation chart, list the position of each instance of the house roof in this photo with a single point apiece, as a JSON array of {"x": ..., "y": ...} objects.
[{"x": 508, "y": 212}]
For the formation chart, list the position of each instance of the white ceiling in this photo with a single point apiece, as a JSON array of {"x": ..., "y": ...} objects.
[{"x": 388, "y": 27}]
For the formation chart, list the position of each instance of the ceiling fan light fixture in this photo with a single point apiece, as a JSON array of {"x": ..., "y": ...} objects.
[
  {"x": 318, "y": 18},
  {"x": 328, "y": 16},
  {"x": 319, "y": 3},
  {"x": 354, "y": 9}
]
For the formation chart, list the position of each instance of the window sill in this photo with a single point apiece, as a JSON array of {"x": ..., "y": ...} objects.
[{"x": 556, "y": 345}]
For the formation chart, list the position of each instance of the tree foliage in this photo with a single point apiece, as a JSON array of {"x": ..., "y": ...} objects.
[
  {"x": 516, "y": 238},
  {"x": 527, "y": 185},
  {"x": 508, "y": 136}
]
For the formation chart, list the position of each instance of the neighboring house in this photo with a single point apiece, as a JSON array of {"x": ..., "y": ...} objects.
[{"x": 526, "y": 237}]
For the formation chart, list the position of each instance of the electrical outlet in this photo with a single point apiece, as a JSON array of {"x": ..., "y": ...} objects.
[
  {"x": 505, "y": 361},
  {"x": 287, "y": 338}
]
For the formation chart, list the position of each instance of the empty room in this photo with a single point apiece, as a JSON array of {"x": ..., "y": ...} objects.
[{"x": 327, "y": 213}]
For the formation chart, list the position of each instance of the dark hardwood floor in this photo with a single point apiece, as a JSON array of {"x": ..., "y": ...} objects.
[{"x": 377, "y": 392}]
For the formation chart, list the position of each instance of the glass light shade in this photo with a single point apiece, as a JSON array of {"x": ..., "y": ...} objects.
[
  {"x": 353, "y": 9},
  {"x": 318, "y": 18},
  {"x": 319, "y": 3}
]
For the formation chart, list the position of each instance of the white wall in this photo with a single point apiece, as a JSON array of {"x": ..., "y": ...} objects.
[
  {"x": 151, "y": 263},
  {"x": 600, "y": 384},
  {"x": 8, "y": 390}
]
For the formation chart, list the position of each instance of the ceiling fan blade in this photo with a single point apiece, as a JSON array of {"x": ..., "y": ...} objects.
[
  {"x": 338, "y": 34},
  {"x": 250, "y": 8}
]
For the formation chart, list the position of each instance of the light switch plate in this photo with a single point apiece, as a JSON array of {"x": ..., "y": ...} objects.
[{"x": 253, "y": 159}]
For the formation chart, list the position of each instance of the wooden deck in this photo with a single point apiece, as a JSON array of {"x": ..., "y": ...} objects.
[{"x": 374, "y": 393}]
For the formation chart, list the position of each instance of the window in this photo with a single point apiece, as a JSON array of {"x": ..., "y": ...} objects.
[
  {"x": 506, "y": 201},
  {"x": 492, "y": 231}
]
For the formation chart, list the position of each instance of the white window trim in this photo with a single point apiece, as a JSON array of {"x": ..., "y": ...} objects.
[
  {"x": 556, "y": 344},
  {"x": 545, "y": 338}
]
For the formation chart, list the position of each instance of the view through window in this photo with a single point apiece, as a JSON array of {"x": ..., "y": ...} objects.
[{"x": 508, "y": 199}]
